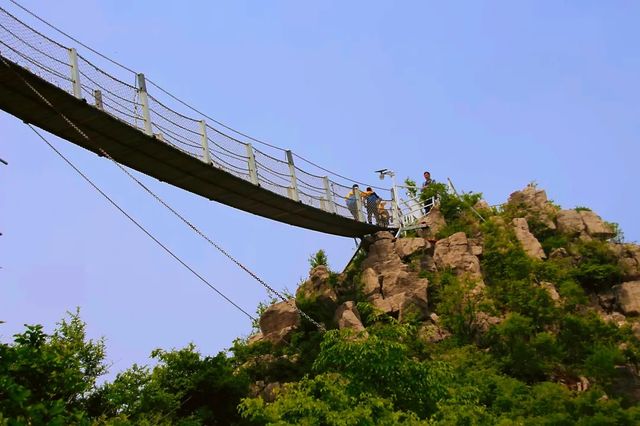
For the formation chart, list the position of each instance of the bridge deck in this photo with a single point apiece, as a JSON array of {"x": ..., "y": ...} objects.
[{"x": 135, "y": 149}]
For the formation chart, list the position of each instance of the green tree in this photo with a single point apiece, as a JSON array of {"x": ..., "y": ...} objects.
[{"x": 47, "y": 379}]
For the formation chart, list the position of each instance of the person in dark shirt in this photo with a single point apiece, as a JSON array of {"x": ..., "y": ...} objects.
[{"x": 427, "y": 203}]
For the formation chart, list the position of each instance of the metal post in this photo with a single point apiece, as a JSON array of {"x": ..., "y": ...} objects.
[
  {"x": 395, "y": 210},
  {"x": 144, "y": 100},
  {"x": 98, "y": 95},
  {"x": 253, "y": 168},
  {"x": 293, "y": 189},
  {"x": 205, "y": 142},
  {"x": 331, "y": 206},
  {"x": 75, "y": 73}
]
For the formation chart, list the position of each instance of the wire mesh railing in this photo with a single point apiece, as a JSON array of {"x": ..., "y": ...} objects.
[{"x": 130, "y": 103}]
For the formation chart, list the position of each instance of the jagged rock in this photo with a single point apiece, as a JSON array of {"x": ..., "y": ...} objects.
[
  {"x": 454, "y": 252},
  {"x": 559, "y": 253},
  {"x": 407, "y": 246},
  {"x": 257, "y": 337},
  {"x": 535, "y": 201},
  {"x": 382, "y": 255},
  {"x": 551, "y": 290},
  {"x": 370, "y": 283},
  {"x": 278, "y": 321},
  {"x": 435, "y": 222},
  {"x": 595, "y": 226},
  {"x": 628, "y": 297},
  {"x": 428, "y": 264},
  {"x": 318, "y": 288},
  {"x": 483, "y": 321},
  {"x": 628, "y": 258},
  {"x": 476, "y": 245},
  {"x": 347, "y": 316},
  {"x": 529, "y": 243},
  {"x": 387, "y": 281},
  {"x": 570, "y": 222}
]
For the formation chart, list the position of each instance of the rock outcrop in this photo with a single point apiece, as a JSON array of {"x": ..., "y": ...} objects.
[
  {"x": 278, "y": 321},
  {"x": 628, "y": 259},
  {"x": 536, "y": 205},
  {"x": 405, "y": 247},
  {"x": 456, "y": 253},
  {"x": 387, "y": 282},
  {"x": 318, "y": 288},
  {"x": 347, "y": 316},
  {"x": 583, "y": 223},
  {"x": 529, "y": 243},
  {"x": 628, "y": 297}
]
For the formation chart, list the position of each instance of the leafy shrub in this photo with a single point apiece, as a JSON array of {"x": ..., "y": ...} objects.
[
  {"x": 597, "y": 268},
  {"x": 318, "y": 259},
  {"x": 523, "y": 353}
]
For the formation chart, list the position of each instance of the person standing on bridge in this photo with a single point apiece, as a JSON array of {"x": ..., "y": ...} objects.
[
  {"x": 371, "y": 200},
  {"x": 351, "y": 200},
  {"x": 428, "y": 203}
]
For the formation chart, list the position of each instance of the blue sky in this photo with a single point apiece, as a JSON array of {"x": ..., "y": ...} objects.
[{"x": 493, "y": 95}]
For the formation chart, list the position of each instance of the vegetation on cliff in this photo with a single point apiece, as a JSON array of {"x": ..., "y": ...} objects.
[{"x": 521, "y": 314}]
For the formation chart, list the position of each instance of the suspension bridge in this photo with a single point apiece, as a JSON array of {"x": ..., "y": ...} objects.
[{"x": 142, "y": 126}]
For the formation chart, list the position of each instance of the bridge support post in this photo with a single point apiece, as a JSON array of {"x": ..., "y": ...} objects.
[
  {"x": 251, "y": 163},
  {"x": 395, "y": 211},
  {"x": 98, "y": 95},
  {"x": 75, "y": 73},
  {"x": 293, "y": 189},
  {"x": 330, "y": 205},
  {"x": 205, "y": 142},
  {"x": 144, "y": 100}
]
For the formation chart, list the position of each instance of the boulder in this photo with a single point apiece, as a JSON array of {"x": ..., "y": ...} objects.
[
  {"x": 476, "y": 245},
  {"x": 405, "y": 247},
  {"x": 455, "y": 252},
  {"x": 347, "y": 316},
  {"x": 382, "y": 255},
  {"x": 536, "y": 204},
  {"x": 628, "y": 297},
  {"x": 279, "y": 320},
  {"x": 483, "y": 321},
  {"x": 529, "y": 243},
  {"x": 318, "y": 288},
  {"x": 570, "y": 222},
  {"x": 628, "y": 258},
  {"x": 595, "y": 226},
  {"x": 434, "y": 221}
]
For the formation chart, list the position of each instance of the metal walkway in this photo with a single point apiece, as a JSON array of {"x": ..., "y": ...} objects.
[{"x": 143, "y": 133}]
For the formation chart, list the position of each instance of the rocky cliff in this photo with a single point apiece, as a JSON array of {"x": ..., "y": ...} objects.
[{"x": 472, "y": 278}]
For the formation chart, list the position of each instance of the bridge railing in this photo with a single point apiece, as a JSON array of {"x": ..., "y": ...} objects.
[{"x": 127, "y": 98}]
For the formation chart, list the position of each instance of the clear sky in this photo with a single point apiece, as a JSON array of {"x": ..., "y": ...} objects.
[{"x": 491, "y": 94}]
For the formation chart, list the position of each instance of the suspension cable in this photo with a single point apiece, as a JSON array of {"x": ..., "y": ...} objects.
[
  {"x": 136, "y": 223},
  {"x": 123, "y": 169},
  {"x": 194, "y": 109}
]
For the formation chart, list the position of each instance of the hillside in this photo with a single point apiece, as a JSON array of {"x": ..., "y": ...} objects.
[{"x": 525, "y": 313}]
